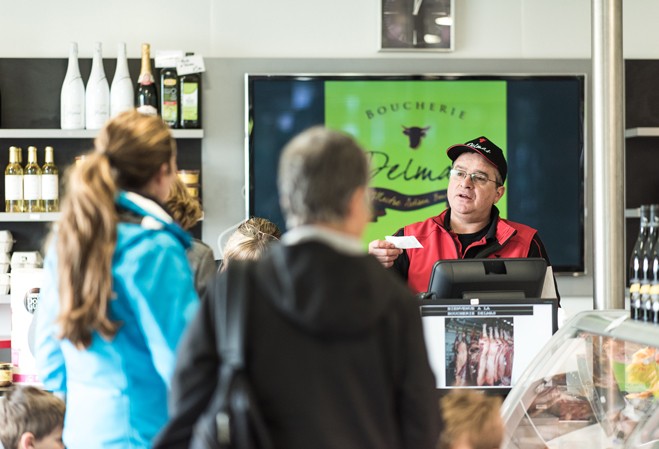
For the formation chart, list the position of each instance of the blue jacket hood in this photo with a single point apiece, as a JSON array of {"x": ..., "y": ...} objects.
[{"x": 154, "y": 217}]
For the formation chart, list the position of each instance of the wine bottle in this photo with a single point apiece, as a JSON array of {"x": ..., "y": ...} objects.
[
  {"x": 32, "y": 183},
  {"x": 72, "y": 95},
  {"x": 648, "y": 244},
  {"x": 97, "y": 105},
  {"x": 169, "y": 93},
  {"x": 122, "y": 96},
  {"x": 190, "y": 86},
  {"x": 13, "y": 183},
  {"x": 646, "y": 262},
  {"x": 654, "y": 285},
  {"x": 50, "y": 182},
  {"x": 635, "y": 262},
  {"x": 147, "y": 96}
]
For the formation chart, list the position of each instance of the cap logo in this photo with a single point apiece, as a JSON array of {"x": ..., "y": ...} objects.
[{"x": 477, "y": 147}]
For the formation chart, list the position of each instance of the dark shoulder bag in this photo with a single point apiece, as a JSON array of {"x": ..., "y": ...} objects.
[{"x": 232, "y": 420}]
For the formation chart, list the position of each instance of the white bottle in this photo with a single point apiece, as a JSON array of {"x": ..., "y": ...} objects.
[
  {"x": 72, "y": 97},
  {"x": 97, "y": 106},
  {"x": 122, "y": 97}
]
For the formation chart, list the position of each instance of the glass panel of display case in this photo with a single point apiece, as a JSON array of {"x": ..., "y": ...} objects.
[{"x": 594, "y": 385}]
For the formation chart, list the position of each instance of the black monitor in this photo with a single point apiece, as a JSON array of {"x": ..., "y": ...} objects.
[
  {"x": 488, "y": 279},
  {"x": 405, "y": 122}
]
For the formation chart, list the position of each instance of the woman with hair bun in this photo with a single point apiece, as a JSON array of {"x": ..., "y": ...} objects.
[
  {"x": 186, "y": 210},
  {"x": 118, "y": 290},
  {"x": 250, "y": 240}
]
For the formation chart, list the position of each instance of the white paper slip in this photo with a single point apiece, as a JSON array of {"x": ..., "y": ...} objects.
[{"x": 404, "y": 242}]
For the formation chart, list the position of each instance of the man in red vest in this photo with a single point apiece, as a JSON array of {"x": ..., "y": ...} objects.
[{"x": 470, "y": 227}]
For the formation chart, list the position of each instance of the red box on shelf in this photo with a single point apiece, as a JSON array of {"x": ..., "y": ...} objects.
[{"x": 5, "y": 349}]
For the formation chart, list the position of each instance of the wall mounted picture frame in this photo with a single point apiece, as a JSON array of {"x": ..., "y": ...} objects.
[{"x": 411, "y": 25}]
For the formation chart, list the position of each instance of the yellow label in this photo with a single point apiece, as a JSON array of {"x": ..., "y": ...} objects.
[
  {"x": 634, "y": 288},
  {"x": 5, "y": 375},
  {"x": 645, "y": 289}
]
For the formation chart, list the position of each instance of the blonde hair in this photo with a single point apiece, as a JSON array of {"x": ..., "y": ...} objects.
[
  {"x": 473, "y": 416},
  {"x": 184, "y": 208},
  {"x": 28, "y": 409},
  {"x": 129, "y": 152},
  {"x": 250, "y": 240}
]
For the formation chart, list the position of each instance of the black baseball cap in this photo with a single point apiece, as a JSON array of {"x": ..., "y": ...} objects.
[{"x": 486, "y": 148}]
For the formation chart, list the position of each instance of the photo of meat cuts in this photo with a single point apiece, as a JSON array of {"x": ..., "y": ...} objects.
[{"x": 479, "y": 352}]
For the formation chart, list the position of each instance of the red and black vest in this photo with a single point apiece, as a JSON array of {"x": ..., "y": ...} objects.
[{"x": 511, "y": 240}]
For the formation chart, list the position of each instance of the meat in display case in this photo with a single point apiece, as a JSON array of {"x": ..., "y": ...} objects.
[{"x": 595, "y": 384}]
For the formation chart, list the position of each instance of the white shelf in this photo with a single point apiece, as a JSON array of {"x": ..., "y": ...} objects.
[
  {"x": 5, "y": 299},
  {"x": 188, "y": 133},
  {"x": 28, "y": 216},
  {"x": 633, "y": 213},
  {"x": 81, "y": 133},
  {"x": 642, "y": 132}
]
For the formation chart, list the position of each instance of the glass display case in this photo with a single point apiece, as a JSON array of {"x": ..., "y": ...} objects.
[{"x": 594, "y": 385}]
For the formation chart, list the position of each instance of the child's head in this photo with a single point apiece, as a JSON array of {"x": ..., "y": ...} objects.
[
  {"x": 250, "y": 240},
  {"x": 31, "y": 418},
  {"x": 472, "y": 420}
]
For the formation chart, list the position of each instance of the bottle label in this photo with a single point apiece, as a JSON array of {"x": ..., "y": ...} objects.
[
  {"x": 146, "y": 79},
  {"x": 49, "y": 187},
  {"x": 73, "y": 105},
  {"x": 169, "y": 112},
  {"x": 169, "y": 108},
  {"x": 147, "y": 109},
  {"x": 190, "y": 101},
  {"x": 31, "y": 187},
  {"x": 13, "y": 187}
]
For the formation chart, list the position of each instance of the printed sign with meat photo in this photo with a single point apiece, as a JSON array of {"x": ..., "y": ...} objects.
[{"x": 479, "y": 352}]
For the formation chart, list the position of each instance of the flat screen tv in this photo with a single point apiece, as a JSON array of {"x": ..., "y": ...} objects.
[
  {"x": 406, "y": 122},
  {"x": 485, "y": 344},
  {"x": 488, "y": 279}
]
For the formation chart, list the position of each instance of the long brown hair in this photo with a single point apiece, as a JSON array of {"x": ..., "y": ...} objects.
[
  {"x": 183, "y": 207},
  {"x": 128, "y": 152}
]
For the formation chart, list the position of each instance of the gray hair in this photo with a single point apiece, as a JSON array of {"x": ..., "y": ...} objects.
[{"x": 319, "y": 170}]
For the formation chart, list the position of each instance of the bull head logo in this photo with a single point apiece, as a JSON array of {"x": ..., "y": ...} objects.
[{"x": 415, "y": 134}]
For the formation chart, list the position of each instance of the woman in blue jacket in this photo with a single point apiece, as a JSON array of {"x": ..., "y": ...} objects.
[{"x": 118, "y": 290}]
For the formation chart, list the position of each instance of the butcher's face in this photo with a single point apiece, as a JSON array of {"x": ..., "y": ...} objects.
[{"x": 469, "y": 201}]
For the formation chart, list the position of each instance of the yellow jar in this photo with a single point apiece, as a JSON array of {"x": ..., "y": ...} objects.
[
  {"x": 189, "y": 176},
  {"x": 6, "y": 374},
  {"x": 193, "y": 190}
]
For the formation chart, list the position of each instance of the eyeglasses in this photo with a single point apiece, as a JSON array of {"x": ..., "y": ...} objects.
[{"x": 477, "y": 178}]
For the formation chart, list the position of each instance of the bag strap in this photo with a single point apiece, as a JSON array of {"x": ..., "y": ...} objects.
[
  {"x": 231, "y": 320},
  {"x": 230, "y": 340}
]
